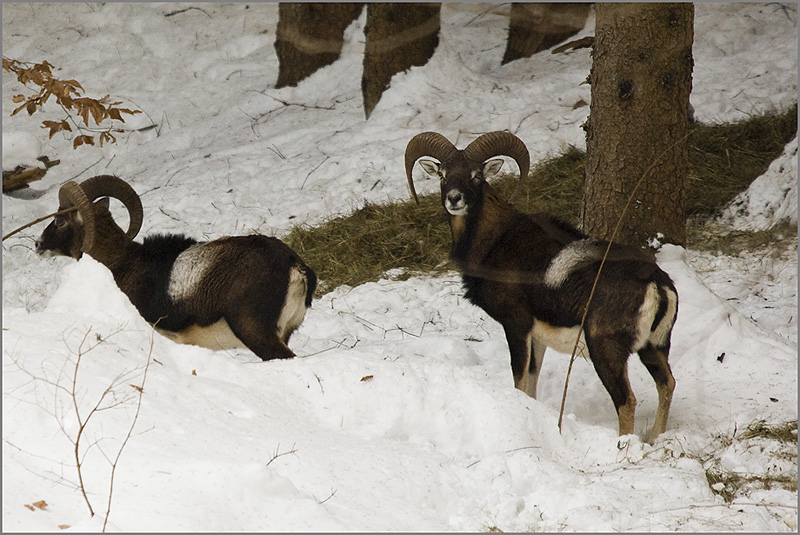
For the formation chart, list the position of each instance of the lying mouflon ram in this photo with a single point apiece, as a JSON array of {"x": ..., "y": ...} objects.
[
  {"x": 533, "y": 274},
  {"x": 244, "y": 291}
]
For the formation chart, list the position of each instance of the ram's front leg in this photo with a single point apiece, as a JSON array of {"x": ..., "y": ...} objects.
[
  {"x": 520, "y": 348},
  {"x": 537, "y": 356}
]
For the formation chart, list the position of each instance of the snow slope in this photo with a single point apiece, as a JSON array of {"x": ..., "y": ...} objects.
[{"x": 400, "y": 413}]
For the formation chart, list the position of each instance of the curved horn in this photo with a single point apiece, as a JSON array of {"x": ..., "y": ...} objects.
[
  {"x": 71, "y": 194},
  {"x": 111, "y": 186},
  {"x": 500, "y": 144},
  {"x": 426, "y": 144}
]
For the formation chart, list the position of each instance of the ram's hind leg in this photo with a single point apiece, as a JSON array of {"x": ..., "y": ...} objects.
[
  {"x": 657, "y": 363},
  {"x": 259, "y": 332},
  {"x": 610, "y": 358}
]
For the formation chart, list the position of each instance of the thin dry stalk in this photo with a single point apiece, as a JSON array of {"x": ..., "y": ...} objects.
[
  {"x": 140, "y": 391},
  {"x": 597, "y": 277},
  {"x": 83, "y": 423},
  {"x": 277, "y": 449},
  {"x": 39, "y": 220}
]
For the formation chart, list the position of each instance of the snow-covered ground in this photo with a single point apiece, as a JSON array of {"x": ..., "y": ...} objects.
[{"x": 400, "y": 412}]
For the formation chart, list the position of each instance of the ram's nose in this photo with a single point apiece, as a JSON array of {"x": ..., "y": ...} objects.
[
  {"x": 41, "y": 251},
  {"x": 455, "y": 203}
]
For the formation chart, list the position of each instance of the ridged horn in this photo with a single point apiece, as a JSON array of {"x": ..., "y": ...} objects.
[
  {"x": 71, "y": 194},
  {"x": 426, "y": 144},
  {"x": 111, "y": 186},
  {"x": 84, "y": 194},
  {"x": 498, "y": 143}
]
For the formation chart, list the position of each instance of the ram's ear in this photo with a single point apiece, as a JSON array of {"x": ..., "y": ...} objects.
[
  {"x": 492, "y": 167},
  {"x": 430, "y": 167}
]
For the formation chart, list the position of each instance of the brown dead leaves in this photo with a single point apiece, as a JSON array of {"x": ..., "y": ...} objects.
[
  {"x": 67, "y": 95},
  {"x": 41, "y": 505}
]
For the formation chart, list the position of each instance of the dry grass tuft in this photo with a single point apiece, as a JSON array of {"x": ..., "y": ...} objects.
[
  {"x": 725, "y": 159},
  {"x": 361, "y": 247}
]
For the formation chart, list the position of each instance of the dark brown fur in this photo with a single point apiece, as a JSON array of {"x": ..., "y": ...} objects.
[
  {"x": 245, "y": 284},
  {"x": 504, "y": 256}
]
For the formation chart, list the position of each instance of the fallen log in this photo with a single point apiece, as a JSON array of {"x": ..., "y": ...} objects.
[{"x": 21, "y": 176}]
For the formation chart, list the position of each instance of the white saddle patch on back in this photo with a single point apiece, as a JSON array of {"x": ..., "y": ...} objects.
[
  {"x": 573, "y": 256},
  {"x": 188, "y": 271}
]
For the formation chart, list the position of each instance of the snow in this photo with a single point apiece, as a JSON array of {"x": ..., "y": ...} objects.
[
  {"x": 771, "y": 197},
  {"x": 21, "y": 149},
  {"x": 399, "y": 413}
]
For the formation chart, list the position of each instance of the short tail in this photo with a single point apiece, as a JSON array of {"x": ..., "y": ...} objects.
[{"x": 311, "y": 283}]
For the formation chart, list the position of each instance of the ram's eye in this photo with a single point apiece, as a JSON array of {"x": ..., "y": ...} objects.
[{"x": 60, "y": 222}]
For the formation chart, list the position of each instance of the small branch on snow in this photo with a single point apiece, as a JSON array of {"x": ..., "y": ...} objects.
[
  {"x": 179, "y": 11},
  {"x": 286, "y": 103},
  {"x": 276, "y": 454},
  {"x": 312, "y": 171},
  {"x": 332, "y": 494}
]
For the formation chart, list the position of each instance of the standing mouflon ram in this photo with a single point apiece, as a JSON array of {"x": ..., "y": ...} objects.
[
  {"x": 534, "y": 274},
  {"x": 243, "y": 291}
]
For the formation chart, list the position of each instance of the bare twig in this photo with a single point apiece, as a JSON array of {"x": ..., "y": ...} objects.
[
  {"x": 312, "y": 171},
  {"x": 140, "y": 390},
  {"x": 276, "y": 454},
  {"x": 332, "y": 494},
  {"x": 304, "y": 106},
  {"x": 111, "y": 397},
  {"x": 79, "y": 174},
  {"x": 81, "y": 424},
  {"x": 23, "y": 227},
  {"x": 179, "y": 11}
]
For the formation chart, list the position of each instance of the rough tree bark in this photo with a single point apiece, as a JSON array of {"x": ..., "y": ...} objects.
[
  {"x": 641, "y": 77},
  {"x": 534, "y": 27},
  {"x": 310, "y": 36},
  {"x": 399, "y": 36}
]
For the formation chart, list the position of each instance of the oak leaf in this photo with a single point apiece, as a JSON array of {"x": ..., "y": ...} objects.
[
  {"x": 80, "y": 140},
  {"x": 56, "y": 126}
]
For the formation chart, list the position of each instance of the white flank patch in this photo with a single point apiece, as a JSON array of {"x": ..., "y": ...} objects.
[
  {"x": 647, "y": 315},
  {"x": 662, "y": 331},
  {"x": 188, "y": 270},
  {"x": 572, "y": 256},
  {"x": 294, "y": 308},
  {"x": 562, "y": 339}
]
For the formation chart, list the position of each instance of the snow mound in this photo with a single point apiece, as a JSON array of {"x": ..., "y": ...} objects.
[
  {"x": 21, "y": 149},
  {"x": 770, "y": 200}
]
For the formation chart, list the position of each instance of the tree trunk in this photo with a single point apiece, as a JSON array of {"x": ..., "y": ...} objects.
[
  {"x": 399, "y": 36},
  {"x": 641, "y": 77},
  {"x": 310, "y": 36},
  {"x": 534, "y": 27}
]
